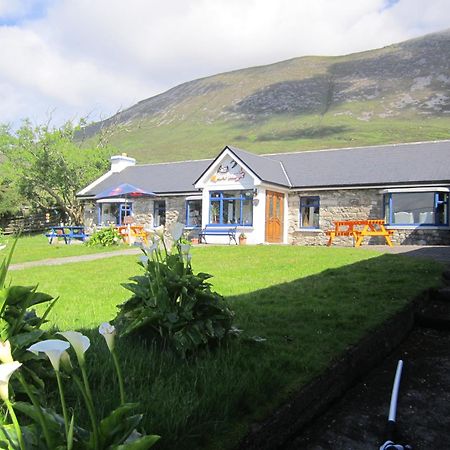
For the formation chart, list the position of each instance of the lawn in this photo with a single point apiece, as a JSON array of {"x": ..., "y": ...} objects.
[
  {"x": 36, "y": 247},
  {"x": 310, "y": 304}
]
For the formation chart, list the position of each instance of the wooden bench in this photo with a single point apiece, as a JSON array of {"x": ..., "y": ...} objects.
[
  {"x": 359, "y": 229},
  {"x": 217, "y": 231}
]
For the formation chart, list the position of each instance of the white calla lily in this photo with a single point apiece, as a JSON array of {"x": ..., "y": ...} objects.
[
  {"x": 78, "y": 341},
  {"x": 185, "y": 248},
  {"x": 53, "y": 348},
  {"x": 177, "y": 231},
  {"x": 160, "y": 231},
  {"x": 5, "y": 352},
  {"x": 109, "y": 332},
  {"x": 6, "y": 370}
]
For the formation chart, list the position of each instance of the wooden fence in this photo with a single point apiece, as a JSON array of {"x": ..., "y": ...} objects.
[{"x": 35, "y": 222}]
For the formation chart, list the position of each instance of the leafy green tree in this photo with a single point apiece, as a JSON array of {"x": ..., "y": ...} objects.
[{"x": 48, "y": 166}]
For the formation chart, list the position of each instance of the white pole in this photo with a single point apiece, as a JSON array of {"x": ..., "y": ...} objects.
[{"x": 395, "y": 389}]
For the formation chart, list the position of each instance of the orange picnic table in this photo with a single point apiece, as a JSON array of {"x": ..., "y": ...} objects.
[
  {"x": 359, "y": 229},
  {"x": 128, "y": 232}
]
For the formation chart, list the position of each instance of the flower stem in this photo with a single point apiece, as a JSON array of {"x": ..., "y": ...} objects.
[
  {"x": 38, "y": 409},
  {"x": 90, "y": 404},
  {"x": 119, "y": 377},
  {"x": 63, "y": 402},
  {"x": 15, "y": 423}
]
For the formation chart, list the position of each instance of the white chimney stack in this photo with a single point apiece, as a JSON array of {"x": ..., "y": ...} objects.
[{"x": 120, "y": 162}]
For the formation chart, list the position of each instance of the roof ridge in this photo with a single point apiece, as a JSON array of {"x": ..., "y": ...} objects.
[
  {"x": 400, "y": 144},
  {"x": 171, "y": 162}
]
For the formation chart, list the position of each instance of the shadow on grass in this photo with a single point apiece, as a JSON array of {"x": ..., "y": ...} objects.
[{"x": 209, "y": 401}]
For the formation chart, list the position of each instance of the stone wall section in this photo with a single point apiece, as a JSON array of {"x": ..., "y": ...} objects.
[
  {"x": 353, "y": 204},
  {"x": 175, "y": 210},
  {"x": 143, "y": 211}
]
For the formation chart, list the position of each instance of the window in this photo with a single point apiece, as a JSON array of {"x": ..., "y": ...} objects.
[
  {"x": 416, "y": 208},
  {"x": 113, "y": 213},
  {"x": 231, "y": 207},
  {"x": 309, "y": 212},
  {"x": 159, "y": 213},
  {"x": 193, "y": 213}
]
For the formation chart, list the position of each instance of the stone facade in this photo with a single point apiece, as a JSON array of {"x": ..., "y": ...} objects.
[
  {"x": 353, "y": 204},
  {"x": 143, "y": 211},
  {"x": 175, "y": 210}
]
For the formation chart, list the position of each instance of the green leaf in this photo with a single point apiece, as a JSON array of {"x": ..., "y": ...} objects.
[
  {"x": 141, "y": 443},
  {"x": 118, "y": 423}
]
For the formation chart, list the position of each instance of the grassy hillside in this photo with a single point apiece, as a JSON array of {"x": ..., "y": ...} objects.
[{"x": 400, "y": 93}]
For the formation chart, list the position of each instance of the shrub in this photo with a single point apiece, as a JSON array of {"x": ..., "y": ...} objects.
[
  {"x": 105, "y": 237},
  {"x": 172, "y": 304}
]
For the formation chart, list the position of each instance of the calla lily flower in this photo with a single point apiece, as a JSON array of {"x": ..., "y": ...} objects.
[
  {"x": 185, "y": 248},
  {"x": 66, "y": 363},
  {"x": 6, "y": 370},
  {"x": 160, "y": 231},
  {"x": 5, "y": 352},
  {"x": 109, "y": 332},
  {"x": 177, "y": 231},
  {"x": 78, "y": 341},
  {"x": 53, "y": 348}
]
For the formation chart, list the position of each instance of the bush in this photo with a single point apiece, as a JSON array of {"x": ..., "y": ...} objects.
[
  {"x": 105, "y": 237},
  {"x": 172, "y": 304}
]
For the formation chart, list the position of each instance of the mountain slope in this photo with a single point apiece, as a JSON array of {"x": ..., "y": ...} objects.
[{"x": 399, "y": 93}]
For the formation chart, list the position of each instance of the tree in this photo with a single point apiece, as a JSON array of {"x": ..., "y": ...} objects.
[{"x": 48, "y": 166}]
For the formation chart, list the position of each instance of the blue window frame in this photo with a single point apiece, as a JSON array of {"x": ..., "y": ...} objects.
[
  {"x": 309, "y": 212},
  {"x": 417, "y": 208},
  {"x": 194, "y": 213},
  {"x": 231, "y": 207},
  {"x": 113, "y": 213}
]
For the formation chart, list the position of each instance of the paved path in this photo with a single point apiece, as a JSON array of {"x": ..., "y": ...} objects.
[
  {"x": 73, "y": 259},
  {"x": 437, "y": 252}
]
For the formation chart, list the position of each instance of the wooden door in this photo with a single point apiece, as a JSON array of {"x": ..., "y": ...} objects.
[{"x": 274, "y": 216}]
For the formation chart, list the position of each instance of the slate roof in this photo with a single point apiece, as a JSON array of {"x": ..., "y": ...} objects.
[
  {"x": 265, "y": 167},
  {"x": 166, "y": 178},
  {"x": 418, "y": 163}
]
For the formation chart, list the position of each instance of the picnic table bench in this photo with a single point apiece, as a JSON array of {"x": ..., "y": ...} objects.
[
  {"x": 359, "y": 229},
  {"x": 130, "y": 232},
  {"x": 218, "y": 231},
  {"x": 67, "y": 232}
]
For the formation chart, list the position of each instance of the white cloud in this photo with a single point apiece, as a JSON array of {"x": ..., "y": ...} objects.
[{"x": 84, "y": 55}]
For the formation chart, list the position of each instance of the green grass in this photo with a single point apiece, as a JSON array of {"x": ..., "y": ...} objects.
[
  {"x": 310, "y": 304},
  {"x": 36, "y": 247}
]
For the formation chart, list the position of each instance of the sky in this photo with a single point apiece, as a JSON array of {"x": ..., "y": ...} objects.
[{"x": 66, "y": 59}]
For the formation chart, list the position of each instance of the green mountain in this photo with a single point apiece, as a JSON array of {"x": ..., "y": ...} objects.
[{"x": 399, "y": 93}]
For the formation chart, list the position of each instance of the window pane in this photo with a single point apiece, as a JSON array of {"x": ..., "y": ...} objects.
[
  {"x": 159, "y": 213},
  {"x": 442, "y": 209},
  {"x": 247, "y": 212},
  {"x": 413, "y": 208},
  {"x": 193, "y": 213},
  {"x": 214, "y": 210},
  {"x": 309, "y": 212}
]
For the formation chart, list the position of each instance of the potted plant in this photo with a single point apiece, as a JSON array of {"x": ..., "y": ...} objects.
[{"x": 242, "y": 239}]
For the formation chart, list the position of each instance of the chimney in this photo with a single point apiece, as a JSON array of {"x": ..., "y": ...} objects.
[{"x": 120, "y": 162}]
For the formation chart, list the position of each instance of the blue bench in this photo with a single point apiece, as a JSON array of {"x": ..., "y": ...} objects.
[
  {"x": 217, "y": 231},
  {"x": 67, "y": 233}
]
